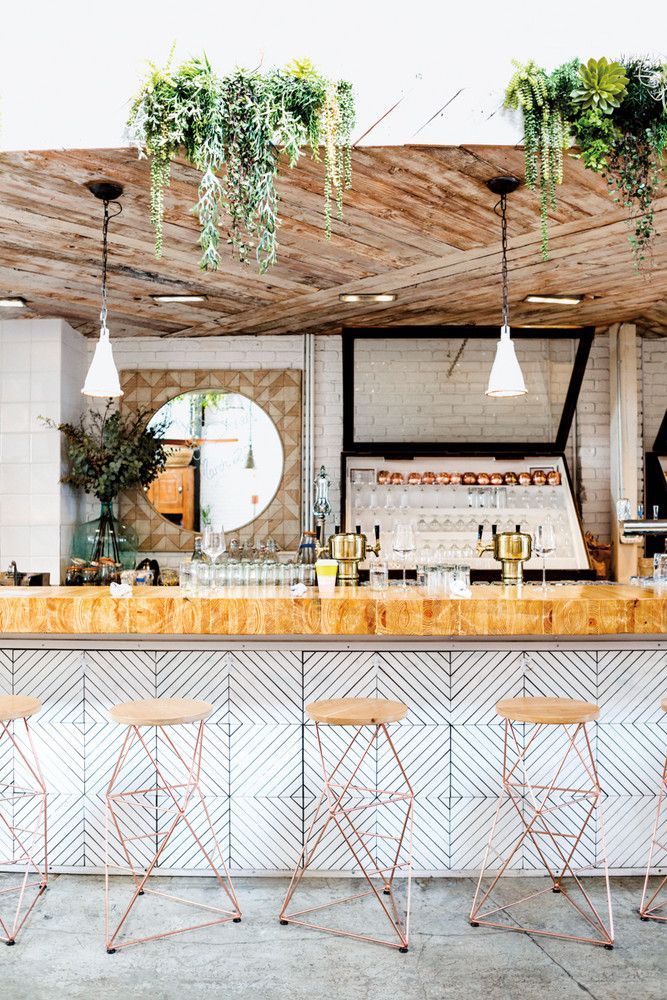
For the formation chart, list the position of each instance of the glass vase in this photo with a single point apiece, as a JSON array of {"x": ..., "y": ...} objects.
[{"x": 106, "y": 537}]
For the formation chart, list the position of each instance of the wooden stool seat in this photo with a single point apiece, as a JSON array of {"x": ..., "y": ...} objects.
[
  {"x": 18, "y": 706},
  {"x": 161, "y": 712},
  {"x": 548, "y": 711},
  {"x": 356, "y": 711}
]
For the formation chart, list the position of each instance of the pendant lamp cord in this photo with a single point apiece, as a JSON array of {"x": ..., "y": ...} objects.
[
  {"x": 105, "y": 256},
  {"x": 502, "y": 204}
]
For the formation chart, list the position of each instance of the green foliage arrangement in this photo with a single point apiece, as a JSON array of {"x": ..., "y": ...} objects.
[
  {"x": 616, "y": 112},
  {"x": 109, "y": 453},
  {"x": 544, "y": 100},
  {"x": 233, "y": 129}
]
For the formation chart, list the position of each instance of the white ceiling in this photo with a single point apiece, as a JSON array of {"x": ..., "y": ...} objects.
[{"x": 68, "y": 69}]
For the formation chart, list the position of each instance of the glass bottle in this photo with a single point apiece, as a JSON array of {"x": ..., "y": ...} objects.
[{"x": 307, "y": 557}]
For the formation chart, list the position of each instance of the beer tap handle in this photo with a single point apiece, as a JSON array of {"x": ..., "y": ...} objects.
[
  {"x": 517, "y": 528},
  {"x": 494, "y": 529},
  {"x": 480, "y": 532},
  {"x": 376, "y": 547},
  {"x": 358, "y": 529},
  {"x": 337, "y": 529}
]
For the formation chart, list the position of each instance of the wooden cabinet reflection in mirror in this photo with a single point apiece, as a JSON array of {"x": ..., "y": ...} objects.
[{"x": 173, "y": 495}]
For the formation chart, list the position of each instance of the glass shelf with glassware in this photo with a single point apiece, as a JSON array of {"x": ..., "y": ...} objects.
[{"x": 446, "y": 507}]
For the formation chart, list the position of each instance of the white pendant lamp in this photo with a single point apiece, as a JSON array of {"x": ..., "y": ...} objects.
[
  {"x": 102, "y": 378},
  {"x": 506, "y": 378}
]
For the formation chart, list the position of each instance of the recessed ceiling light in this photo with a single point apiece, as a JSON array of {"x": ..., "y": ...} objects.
[
  {"x": 15, "y": 303},
  {"x": 367, "y": 297},
  {"x": 555, "y": 300},
  {"x": 178, "y": 298}
]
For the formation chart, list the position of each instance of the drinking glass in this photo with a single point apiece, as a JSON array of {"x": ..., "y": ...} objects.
[
  {"x": 186, "y": 578},
  {"x": 404, "y": 544},
  {"x": 213, "y": 542},
  {"x": 544, "y": 544},
  {"x": 378, "y": 575},
  {"x": 660, "y": 568},
  {"x": 202, "y": 573}
]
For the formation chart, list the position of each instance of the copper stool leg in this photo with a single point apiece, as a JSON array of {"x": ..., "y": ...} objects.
[
  {"x": 30, "y": 842},
  {"x": 538, "y": 809},
  {"x": 651, "y": 907},
  {"x": 182, "y": 792},
  {"x": 341, "y": 815}
]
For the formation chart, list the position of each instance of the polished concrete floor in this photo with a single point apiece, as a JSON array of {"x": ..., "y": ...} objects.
[{"x": 61, "y": 954}]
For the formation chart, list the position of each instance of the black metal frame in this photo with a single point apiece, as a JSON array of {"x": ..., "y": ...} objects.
[
  {"x": 655, "y": 486},
  {"x": 412, "y": 449},
  {"x": 518, "y": 450}
]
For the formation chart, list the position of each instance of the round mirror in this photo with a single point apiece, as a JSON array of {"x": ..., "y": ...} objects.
[{"x": 225, "y": 460}]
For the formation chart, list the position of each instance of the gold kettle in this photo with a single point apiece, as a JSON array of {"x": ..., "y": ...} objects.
[
  {"x": 349, "y": 548},
  {"x": 510, "y": 548}
]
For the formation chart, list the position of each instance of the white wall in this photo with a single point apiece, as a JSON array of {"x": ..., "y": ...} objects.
[
  {"x": 41, "y": 366},
  {"x": 592, "y": 432}
]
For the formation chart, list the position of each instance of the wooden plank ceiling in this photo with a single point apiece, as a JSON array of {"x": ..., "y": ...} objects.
[{"x": 419, "y": 222}]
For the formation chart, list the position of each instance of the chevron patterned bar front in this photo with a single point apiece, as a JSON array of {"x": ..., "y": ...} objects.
[{"x": 262, "y": 772}]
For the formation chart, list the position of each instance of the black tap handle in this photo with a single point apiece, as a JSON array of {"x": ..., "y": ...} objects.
[
  {"x": 494, "y": 529},
  {"x": 318, "y": 532},
  {"x": 480, "y": 532},
  {"x": 337, "y": 529},
  {"x": 517, "y": 528},
  {"x": 358, "y": 529},
  {"x": 376, "y": 528}
]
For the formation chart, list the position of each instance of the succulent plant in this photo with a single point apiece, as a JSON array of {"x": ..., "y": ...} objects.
[{"x": 602, "y": 85}]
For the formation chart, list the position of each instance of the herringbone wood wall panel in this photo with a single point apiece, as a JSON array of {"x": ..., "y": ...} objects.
[{"x": 278, "y": 392}]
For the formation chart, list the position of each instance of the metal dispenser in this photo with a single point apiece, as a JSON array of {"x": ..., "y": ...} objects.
[
  {"x": 349, "y": 548},
  {"x": 510, "y": 548}
]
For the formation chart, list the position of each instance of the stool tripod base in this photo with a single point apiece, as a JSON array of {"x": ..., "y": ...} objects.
[
  {"x": 27, "y": 828},
  {"x": 181, "y": 792},
  {"x": 654, "y": 904},
  {"x": 341, "y": 808},
  {"x": 553, "y": 820}
]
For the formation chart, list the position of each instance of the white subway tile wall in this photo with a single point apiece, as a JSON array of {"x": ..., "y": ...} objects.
[{"x": 41, "y": 371}]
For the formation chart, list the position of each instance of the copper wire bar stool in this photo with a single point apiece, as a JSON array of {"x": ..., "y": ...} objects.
[
  {"x": 654, "y": 906},
  {"x": 344, "y": 806},
  {"x": 170, "y": 801},
  {"x": 555, "y": 810},
  {"x": 22, "y": 815}
]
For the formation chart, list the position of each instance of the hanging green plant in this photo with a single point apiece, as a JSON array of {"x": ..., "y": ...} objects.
[
  {"x": 616, "y": 112},
  {"x": 544, "y": 102},
  {"x": 234, "y": 130}
]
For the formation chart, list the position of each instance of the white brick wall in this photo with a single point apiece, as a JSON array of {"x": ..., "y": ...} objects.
[
  {"x": 594, "y": 441},
  {"x": 42, "y": 366},
  {"x": 654, "y": 386},
  {"x": 287, "y": 351}
]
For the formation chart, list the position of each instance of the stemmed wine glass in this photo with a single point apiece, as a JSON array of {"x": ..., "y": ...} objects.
[
  {"x": 404, "y": 543},
  {"x": 213, "y": 542},
  {"x": 544, "y": 544}
]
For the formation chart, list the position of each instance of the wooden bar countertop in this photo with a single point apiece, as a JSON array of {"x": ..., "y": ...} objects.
[{"x": 568, "y": 610}]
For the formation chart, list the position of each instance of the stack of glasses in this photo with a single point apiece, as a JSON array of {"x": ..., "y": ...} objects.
[{"x": 201, "y": 576}]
